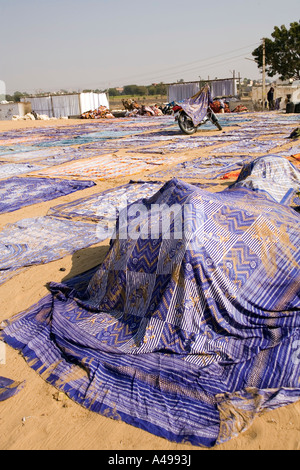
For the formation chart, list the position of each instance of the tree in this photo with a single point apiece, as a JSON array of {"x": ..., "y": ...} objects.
[
  {"x": 135, "y": 90},
  {"x": 113, "y": 92},
  {"x": 17, "y": 96},
  {"x": 282, "y": 53}
]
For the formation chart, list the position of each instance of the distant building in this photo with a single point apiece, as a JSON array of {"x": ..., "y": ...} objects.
[
  {"x": 9, "y": 109},
  {"x": 281, "y": 90}
]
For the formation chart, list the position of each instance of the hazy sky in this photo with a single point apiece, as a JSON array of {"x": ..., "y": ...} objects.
[{"x": 70, "y": 44}]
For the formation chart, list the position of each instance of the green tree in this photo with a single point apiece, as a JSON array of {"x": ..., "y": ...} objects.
[
  {"x": 113, "y": 92},
  {"x": 282, "y": 53},
  {"x": 17, "y": 96},
  {"x": 135, "y": 90}
]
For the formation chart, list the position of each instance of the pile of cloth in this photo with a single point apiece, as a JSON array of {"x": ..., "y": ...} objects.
[
  {"x": 241, "y": 109},
  {"x": 130, "y": 105},
  {"x": 150, "y": 111},
  {"x": 134, "y": 109},
  {"x": 187, "y": 332},
  {"x": 219, "y": 106},
  {"x": 100, "y": 113},
  {"x": 34, "y": 117}
]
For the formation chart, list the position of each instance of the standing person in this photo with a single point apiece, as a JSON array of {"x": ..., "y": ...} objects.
[{"x": 270, "y": 97}]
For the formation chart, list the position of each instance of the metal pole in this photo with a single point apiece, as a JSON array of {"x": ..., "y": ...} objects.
[{"x": 263, "y": 73}]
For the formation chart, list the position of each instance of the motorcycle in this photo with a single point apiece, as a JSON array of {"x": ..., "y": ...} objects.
[{"x": 186, "y": 124}]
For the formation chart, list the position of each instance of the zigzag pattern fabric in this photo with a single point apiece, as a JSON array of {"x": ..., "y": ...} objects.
[{"x": 185, "y": 333}]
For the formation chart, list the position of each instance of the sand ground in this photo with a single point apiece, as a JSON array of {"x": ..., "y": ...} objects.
[{"x": 40, "y": 418}]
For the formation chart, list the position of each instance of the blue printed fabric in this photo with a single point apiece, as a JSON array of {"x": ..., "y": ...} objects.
[
  {"x": 9, "y": 388},
  {"x": 40, "y": 240},
  {"x": 271, "y": 175},
  {"x": 186, "y": 330},
  {"x": 19, "y": 192},
  {"x": 196, "y": 106}
]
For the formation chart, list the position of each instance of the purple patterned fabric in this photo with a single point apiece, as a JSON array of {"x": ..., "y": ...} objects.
[{"x": 196, "y": 106}]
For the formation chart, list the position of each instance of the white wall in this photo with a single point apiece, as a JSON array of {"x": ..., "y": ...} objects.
[{"x": 68, "y": 105}]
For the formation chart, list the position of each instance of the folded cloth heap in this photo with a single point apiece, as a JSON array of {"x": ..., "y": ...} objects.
[
  {"x": 241, "y": 109},
  {"x": 99, "y": 113},
  {"x": 218, "y": 105},
  {"x": 190, "y": 326}
]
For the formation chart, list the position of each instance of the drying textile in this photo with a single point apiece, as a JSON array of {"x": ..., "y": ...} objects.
[
  {"x": 99, "y": 113},
  {"x": 106, "y": 204},
  {"x": 209, "y": 168},
  {"x": 67, "y": 105},
  {"x": 186, "y": 336},
  {"x": 252, "y": 146},
  {"x": 223, "y": 88},
  {"x": 53, "y": 156},
  {"x": 41, "y": 240},
  {"x": 9, "y": 388},
  {"x": 272, "y": 175},
  {"x": 102, "y": 168},
  {"x": 196, "y": 106},
  {"x": 182, "y": 91},
  {"x": 19, "y": 192},
  {"x": 13, "y": 169}
]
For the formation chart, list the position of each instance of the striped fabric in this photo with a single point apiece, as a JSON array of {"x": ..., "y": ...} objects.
[
  {"x": 187, "y": 337},
  {"x": 271, "y": 175}
]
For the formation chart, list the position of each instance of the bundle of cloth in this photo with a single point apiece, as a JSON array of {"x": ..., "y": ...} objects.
[
  {"x": 100, "y": 113},
  {"x": 144, "y": 110},
  {"x": 240, "y": 109},
  {"x": 130, "y": 104},
  {"x": 219, "y": 106}
]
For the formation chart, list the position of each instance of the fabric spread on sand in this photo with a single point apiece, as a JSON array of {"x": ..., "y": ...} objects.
[
  {"x": 185, "y": 336},
  {"x": 106, "y": 204},
  {"x": 293, "y": 150},
  {"x": 19, "y": 192},
  {"x": 9, "y": 388},
  {"x": 209, "y": 168},
  {"x": 251, "y": 146},
  {"x": 41, "y": 240},
  {"x": 104, "y": 167},
  {"x": 5, "y": 151},
  {"x": 13, "y": 169},
  {"x": 272, "y": 175},
  {"x": 49, "y": 157}
]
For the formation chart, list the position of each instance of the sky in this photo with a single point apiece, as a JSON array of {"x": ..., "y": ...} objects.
[{"x": 50, "y": 45}]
